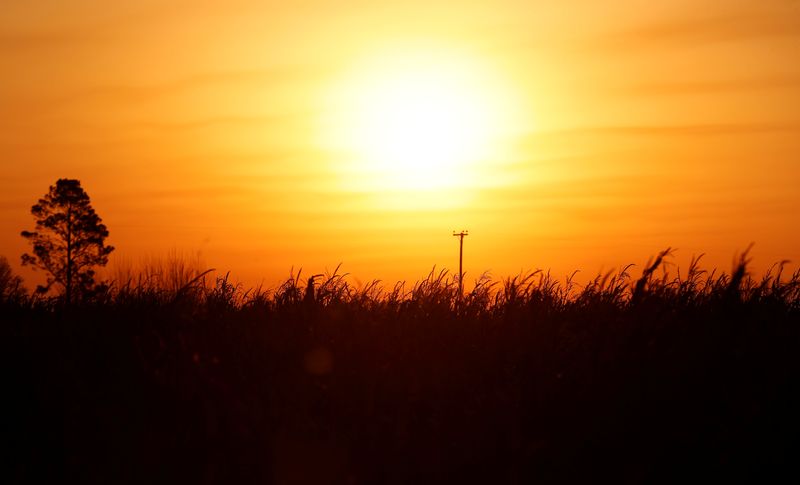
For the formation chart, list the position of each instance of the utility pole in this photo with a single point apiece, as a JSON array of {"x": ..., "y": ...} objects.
[{"x": 460, "y": 236}]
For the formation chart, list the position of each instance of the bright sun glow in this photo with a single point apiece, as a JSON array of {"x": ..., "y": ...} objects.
[
  {"x": 420, "y": 128},
  {"x": 418, "y": 122}
]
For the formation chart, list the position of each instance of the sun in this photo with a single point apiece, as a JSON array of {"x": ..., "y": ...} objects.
[
  {"x": 419, "y": 128},
  {"x": 421, "y": 121}
]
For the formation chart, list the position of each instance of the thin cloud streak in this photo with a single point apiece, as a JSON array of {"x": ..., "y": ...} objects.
[
  {"x": 134, "y": 132},
  {"x": 208, "y": 122},
  {"x": 709, "y": 29},
  {"x": 710, "y": 87},
  {"x": 46, "y": 40},
  {"x": 133, "y": 93},
  {"x": 709, "y": 129},
  {"x": 100, "y": 24},
  {"x": 127, "y": 95}
]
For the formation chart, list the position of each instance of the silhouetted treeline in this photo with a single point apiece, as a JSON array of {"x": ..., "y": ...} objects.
[{"x": 653, "y": 380}]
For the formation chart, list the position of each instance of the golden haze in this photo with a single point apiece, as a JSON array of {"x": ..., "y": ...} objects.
[{"x": 270, "y": 135}]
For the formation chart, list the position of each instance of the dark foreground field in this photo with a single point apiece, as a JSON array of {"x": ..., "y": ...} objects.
[{"x": 625, "y": 380}]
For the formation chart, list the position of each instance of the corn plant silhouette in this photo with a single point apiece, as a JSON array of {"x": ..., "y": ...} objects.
[
  {"x": 558, "y": 381},
  {"x": 69, "y": 239}
]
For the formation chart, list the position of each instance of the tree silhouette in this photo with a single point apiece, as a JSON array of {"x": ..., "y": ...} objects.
[
  {"x": 69, "y": 239},
  {"x": 11, "y": 289}
]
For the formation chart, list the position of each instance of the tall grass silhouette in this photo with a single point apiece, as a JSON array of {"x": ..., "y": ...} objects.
[{"x": 179, "y": 374}]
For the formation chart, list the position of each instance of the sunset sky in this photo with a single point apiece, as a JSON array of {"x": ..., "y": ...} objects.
[{"x": 270, "y": 135}]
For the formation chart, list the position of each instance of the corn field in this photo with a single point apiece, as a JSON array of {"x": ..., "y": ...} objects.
[{"x": 180, "y": 375}]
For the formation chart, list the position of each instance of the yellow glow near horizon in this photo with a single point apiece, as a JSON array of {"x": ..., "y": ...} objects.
[{"x": 420, "y": 122}]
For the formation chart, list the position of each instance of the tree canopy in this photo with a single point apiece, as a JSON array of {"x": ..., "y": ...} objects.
[{"x": 69, "y": 239}]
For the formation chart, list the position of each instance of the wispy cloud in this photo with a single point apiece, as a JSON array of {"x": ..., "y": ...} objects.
[
  {"x": 122, "y": 130},
  {"x": 38, "y": 40},
  {"x": 708, "y": 129},
  {"x": 718, "y": 86},
  {"x": 160, "y": 126},
  {"x": 707, "y": 29},
  {"x": 96, "y": 23},
  {"x": 136, "y": 93}
]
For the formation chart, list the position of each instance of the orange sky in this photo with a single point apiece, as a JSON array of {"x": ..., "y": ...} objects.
[{"x": 621, "y": 128}]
